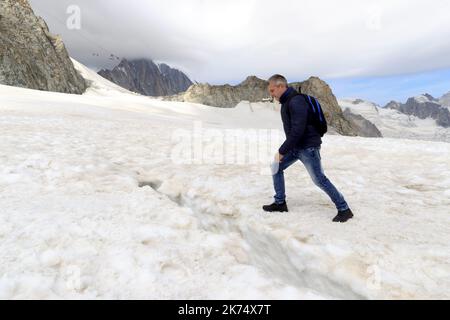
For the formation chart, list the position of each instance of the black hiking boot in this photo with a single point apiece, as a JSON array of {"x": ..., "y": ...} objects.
[
  {"x": 343, "y": 216},
  {"x": 275, "y": 207}
]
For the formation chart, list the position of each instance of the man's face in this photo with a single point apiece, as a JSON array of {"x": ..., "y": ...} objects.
[{"x": 276, "y": 91}]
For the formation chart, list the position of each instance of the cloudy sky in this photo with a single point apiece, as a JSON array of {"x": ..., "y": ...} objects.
[{"x": 377, "y": 50}]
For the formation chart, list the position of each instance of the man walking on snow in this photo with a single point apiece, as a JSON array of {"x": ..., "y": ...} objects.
[{"x": 303, "y": 142}]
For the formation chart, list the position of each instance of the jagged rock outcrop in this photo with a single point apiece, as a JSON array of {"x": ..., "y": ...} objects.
[
  {"x": 427, "y": 97},
  {"x": 32, "y": 57},
  {"x": 146, "y": 77},
  {"x": 254, "y": 89},
  {"x": 358, "y": 112},
  {"x": 177, "y": 81},
  {"x": 424, "y": 106},
  {"x": 393, "y": 105},
  {"x": 364, "y": 127}
]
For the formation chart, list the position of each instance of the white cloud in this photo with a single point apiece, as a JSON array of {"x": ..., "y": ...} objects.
[{"x": 226, "y": 40}]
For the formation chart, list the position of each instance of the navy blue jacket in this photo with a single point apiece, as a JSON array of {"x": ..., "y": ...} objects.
[{"x": 297, "y": 123}]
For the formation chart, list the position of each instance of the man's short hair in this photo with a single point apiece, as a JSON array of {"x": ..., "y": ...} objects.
[{"x": 278, "y": 79}]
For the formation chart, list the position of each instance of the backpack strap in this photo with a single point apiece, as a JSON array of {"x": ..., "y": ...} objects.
[
  {"x": 319, "y": 107},
  {"x": 310, "y": 102},
  {"x": 314, "y": 103}
]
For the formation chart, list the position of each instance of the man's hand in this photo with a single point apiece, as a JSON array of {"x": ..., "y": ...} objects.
[{"x": 278, "y": 157}]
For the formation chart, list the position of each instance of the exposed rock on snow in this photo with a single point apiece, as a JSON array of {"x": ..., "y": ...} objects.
[
  {"x": 365, "y": 127},
  {"x": 251, "y": 89}
]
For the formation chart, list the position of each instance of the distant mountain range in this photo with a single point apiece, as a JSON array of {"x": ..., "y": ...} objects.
[
  {"x": 425, "y": 106},
  {"x": 147, "y": 78},
  {"x": 422, "y": 117}
]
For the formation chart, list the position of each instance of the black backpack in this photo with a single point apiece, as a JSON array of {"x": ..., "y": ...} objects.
[{"x": 319, "y": 120}]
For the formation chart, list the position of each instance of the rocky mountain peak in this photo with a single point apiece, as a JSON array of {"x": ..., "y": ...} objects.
[
  {"x": 430, "y": 97},
  {"x": 425, "y": 98},
  {"x": 393, "y": 105},
  {"x": 253, "y": 81},
  {"x": 32, "y": 57},
  {"x": 424, "y": 106},
  {"x": 146, "y": 77}
]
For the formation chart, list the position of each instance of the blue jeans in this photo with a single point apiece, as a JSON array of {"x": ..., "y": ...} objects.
[{"x": 310, "y": 157}]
